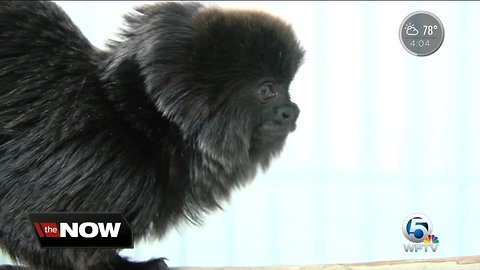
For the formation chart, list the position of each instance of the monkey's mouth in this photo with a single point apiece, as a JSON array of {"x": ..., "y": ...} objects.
[{"x": 273, "y": 128}]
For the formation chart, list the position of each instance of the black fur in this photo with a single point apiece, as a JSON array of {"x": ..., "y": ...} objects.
[{"x": 161, "y": 127}]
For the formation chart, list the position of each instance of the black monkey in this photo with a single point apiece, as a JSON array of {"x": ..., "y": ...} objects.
[{"x": 160, "y": 127}]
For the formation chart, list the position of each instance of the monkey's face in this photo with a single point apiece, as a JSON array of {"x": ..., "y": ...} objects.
[
  {"x": 277, "y": 114},
  {"x": 276, "y": 118},
  {"x": 249, "y": 122}
]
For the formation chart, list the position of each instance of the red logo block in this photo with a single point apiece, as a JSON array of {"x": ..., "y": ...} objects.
[{"x": 47, "y": 229}]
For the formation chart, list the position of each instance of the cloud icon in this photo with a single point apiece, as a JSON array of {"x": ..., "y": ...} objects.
[{"x": 411, "y": 30}]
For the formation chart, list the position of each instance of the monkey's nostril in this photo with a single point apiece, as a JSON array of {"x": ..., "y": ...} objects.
[{"x": 286, "y": 113}]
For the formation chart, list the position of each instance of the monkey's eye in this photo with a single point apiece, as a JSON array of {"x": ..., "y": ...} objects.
[{"x": 266, "y": 92}]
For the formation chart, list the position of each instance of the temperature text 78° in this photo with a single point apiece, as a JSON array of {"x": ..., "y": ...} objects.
[{"x": 428, "y": 29}]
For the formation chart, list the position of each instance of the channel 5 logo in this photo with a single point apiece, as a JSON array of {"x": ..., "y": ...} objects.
[{"x": 417, "y": 228}]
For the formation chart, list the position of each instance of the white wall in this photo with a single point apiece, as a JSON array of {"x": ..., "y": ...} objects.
[{"x": 382, "y": 134}]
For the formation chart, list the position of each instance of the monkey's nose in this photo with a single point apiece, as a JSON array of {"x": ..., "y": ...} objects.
[{"x": 286, "y": 113}]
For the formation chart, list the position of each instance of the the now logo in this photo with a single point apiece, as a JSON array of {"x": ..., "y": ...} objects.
[
  {"x": 86, "y": 230},
  {"x": 82, "y": 230}
]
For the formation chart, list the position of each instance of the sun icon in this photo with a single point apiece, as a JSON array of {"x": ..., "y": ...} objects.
[{"x": 409, "y": 25}]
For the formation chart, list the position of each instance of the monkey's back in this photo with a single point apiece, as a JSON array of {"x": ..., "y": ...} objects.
[{"x": 63, "y": 147}]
